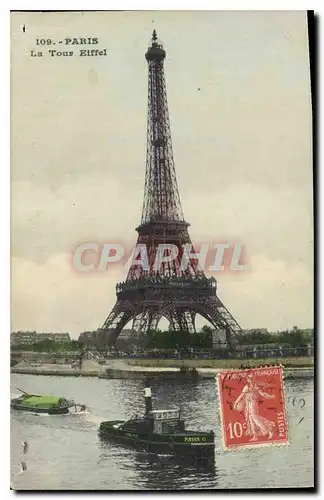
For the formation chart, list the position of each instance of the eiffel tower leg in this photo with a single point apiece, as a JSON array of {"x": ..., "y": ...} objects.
[
  {"x": 182, "y": 320},
  {"x": 217, "y": 319},
  {"x": 174, "y": 321},
  {"x": 117, "y": 319},
  {"x": 154, "y": 321},
  {"x": 144, "y": 322},
  {"x": 189, "y": 320}
]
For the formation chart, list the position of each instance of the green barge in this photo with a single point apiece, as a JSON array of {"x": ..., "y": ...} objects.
[{"x": 51, "y": 405}]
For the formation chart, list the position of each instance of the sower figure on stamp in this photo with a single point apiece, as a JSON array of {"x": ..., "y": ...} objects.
[{"x": 257, "y": 425}]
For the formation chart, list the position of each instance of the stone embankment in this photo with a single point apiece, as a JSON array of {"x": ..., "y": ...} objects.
[
  {"x": 89, "y": 369},
  {"x": 119, "y": 369}
]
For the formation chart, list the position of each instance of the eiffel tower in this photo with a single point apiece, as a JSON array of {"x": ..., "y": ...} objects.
[{"x": 170, "y": 290}]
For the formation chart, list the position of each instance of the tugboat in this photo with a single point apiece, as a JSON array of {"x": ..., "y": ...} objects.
[
  {"x": 160, "y": 431},
  {"x": 52, "y": 405}
]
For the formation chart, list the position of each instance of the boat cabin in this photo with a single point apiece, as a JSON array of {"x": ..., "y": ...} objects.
[
  {"x": 167, "y": 421},
  {"x": 155, "y": 421}
]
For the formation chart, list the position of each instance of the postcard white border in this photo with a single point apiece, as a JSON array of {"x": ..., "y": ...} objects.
[{"x": 5, "y": 157}]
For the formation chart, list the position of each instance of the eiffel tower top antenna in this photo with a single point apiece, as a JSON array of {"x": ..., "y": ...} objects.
[{"x": 161, "y": 194}]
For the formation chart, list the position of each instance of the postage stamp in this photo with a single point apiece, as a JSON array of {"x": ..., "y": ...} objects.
[{"x": 252, "y": 407}]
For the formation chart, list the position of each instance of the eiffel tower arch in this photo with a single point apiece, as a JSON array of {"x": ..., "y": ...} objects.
[{"x": 168, "y": 289}]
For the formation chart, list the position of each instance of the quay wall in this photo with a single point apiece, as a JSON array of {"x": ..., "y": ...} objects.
[{"x": 120, "y": 370}]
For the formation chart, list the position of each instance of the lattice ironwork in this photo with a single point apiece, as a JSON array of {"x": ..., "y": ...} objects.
[
  {"x": 166, "y": 290},
  {"x": 161, "y": 200}
]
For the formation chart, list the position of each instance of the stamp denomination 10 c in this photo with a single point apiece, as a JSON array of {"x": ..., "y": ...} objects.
[{"x": 252, "y": 407}]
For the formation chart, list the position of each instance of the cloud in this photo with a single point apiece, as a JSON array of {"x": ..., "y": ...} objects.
[
  {"x": 53, "y": 297},
  {"x": 271, "y": 290},
  {"x": 277, "y": 222}
]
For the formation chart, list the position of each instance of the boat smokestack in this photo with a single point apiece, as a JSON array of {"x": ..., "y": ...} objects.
[{"x": 148, "y": 400}]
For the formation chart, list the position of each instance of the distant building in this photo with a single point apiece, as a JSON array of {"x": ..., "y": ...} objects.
[
  {"x": 88, "y": 338},
  {"x": 256, "y": 330},
  {"x": 126, "y": 338},
  {"x": 129, "y": 338},
  {"x": 219, "y": 339},
  {"x": 24, "y": 338},
  {"x": 56, "y": 337}
]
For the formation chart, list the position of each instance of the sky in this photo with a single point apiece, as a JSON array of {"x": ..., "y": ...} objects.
[{"x": 238, "y": 87}]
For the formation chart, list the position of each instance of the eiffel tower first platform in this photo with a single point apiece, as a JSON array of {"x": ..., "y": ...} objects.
[{"x": 150, "y": 293}]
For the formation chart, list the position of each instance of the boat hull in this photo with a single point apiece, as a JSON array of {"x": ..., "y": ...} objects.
[
  {"x": 49, "y": 411},
  {"x": 186, "y": 443}
]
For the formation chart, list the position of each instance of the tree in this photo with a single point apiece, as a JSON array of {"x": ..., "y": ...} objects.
[
  {"x": 207, "y": 329},
  {"x": 297, "y": 337}
]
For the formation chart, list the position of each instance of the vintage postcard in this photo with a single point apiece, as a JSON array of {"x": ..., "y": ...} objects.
[{"x": 161, "y": 238}]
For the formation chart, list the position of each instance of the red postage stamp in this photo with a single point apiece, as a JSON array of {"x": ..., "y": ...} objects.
[{"x": 252, "y": 407}]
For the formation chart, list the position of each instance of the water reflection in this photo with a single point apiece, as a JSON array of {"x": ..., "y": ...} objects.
[{"x": 166, "y": 471}]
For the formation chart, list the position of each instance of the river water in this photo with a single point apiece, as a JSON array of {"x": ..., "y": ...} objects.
[{"x": 65, "y": 452}]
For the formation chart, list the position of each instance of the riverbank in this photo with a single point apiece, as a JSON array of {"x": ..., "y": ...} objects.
[
  {"x": 166, "y": 369},
  {"x": 56, "y": 370},
  {"x": 298, "y": 362}
]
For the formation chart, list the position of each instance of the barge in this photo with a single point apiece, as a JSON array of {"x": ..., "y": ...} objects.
[{"x": 52, "y": 405}]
